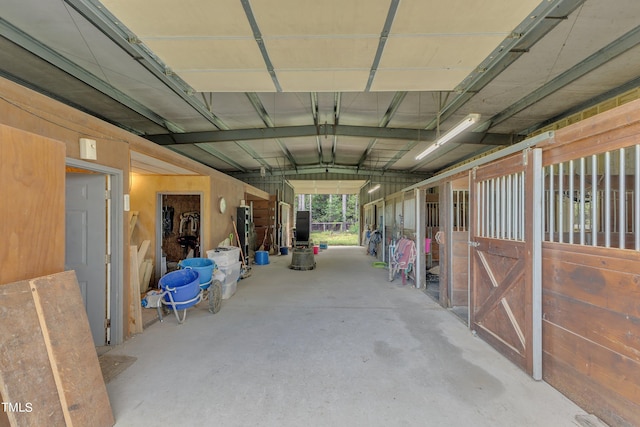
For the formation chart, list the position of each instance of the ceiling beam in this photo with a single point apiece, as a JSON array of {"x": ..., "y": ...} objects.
[
  {"x": 255, "y": 101},
  {"x": 332, "y": 169},
  {"x": 543, "y": 19},
  {"x": 35, "y": 47},
  {"x": 400, "y": 154},
  {"x": 111, "y": 27},
  {"x": 198, "y": 153},
  {"x": 613, "y": 93},
  {"x": 316, "y": 118},
  {"x": 416, "y": 135},
  {"x": 391, "y": 111},
  {"x": 628, "y": 41},
  {"x": 386, "y": 29},
  {"x": 228, "y": 160},
  {"x": 257, "y": 35},
  {"x": 336, "y": 121}
]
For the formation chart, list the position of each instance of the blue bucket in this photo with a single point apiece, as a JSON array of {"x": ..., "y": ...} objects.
[
  {"x": 183, "y": 285},
  {"x": 203, "y": 266},
  {"x": 284, "y": 251},
  {"x": 262, "y": 257}
]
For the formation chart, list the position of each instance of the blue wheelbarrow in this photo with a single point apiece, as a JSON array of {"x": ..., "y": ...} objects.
[{"x": 182, "y": 289}]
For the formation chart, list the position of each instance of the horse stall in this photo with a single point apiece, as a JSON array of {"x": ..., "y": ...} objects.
[
  {"x": 374, "y": 229},
  {"x": 446, "y": 232},
  {"x": 591, "y": 264},
  {"x": 550, "y": 231},
  {"x": 400, "y": 216}
]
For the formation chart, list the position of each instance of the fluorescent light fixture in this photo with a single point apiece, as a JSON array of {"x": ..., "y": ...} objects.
[
  {"x": 426, "y": 152},
  {"x": 374, "y": 188},
  {"x": 452, "y": 133}
]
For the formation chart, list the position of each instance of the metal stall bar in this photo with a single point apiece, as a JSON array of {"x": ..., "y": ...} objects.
[
  {"x": 582, "y": 201},
  {"x": 480, "y": 208},
  {"x": 497, "y": 208},
  {"x": 571, "y": 201},
  {"x": 552, "y": 199},
  {"x": 516, "y": 212},
  {"x": 503, "y": 206},
  {"x": 509, "y": 207},
  {"x": 595, "y": 219},
  {"x": 622, "y": 196},
  {"x": 457, "y": 210},
  {"x": 522, "y": 206},
  {"x": 485, "y": 207},
  {"x": 492, "y": 222},
  {"x": 465, "y": 211},
  {"x": 607, "y": 199},
  {"x": 478, "y": 204},
  {"x": 561, "y": 203}
]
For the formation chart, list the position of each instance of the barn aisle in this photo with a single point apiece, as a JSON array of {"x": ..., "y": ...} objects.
[{"x": 335, "y": 346}]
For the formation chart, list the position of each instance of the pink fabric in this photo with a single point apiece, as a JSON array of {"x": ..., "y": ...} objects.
[{"x": 405, "y": 253}]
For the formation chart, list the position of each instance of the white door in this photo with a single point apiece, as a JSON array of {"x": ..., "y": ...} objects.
[{"x": 85, "y": 245}]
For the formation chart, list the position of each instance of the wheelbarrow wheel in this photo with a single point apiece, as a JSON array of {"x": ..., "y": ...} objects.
[{"x": 215, "y": 296}]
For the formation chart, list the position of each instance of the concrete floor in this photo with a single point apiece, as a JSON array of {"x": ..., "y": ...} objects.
[{"x": 336, "y": 346}]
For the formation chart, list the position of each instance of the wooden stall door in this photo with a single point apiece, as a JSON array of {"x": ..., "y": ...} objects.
[{"x": 501, "y": 307}]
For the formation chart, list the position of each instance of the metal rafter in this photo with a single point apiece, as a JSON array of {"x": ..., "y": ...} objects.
[
  {"x": 196, "y": 151},
  {"x": 336, "y": 121},
  {"x": 27, "y": 42},
  {"x": 386, "y": 29},
  {"x": 221, "y": 156},
  {"x": 266, "y": 119},
  {"x": 628, "y": 41},
  {"x": 257, "y": 35},
  {"x": 631, "y": 84},
  {"x": 543, "y": 19},
  {"x": 391, "y": 111},
  {"x": 316, "y": 117},
  {"x": 111, "y": 27},
  {"x": 321, "y": 130},
  {"x": 337, "y": 169}
]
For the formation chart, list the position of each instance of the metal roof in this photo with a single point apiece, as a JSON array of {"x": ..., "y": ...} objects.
[{"x": 351, "y": 87}]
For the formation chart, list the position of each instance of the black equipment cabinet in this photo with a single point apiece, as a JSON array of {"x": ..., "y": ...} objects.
[{"x": 243, "y": 220}]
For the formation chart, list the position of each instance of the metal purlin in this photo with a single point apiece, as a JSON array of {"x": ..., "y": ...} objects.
[
  {"x": 386, "y": 29},
  {"x": 109, "y": 25},
  {"x": 257, "y": 35}
]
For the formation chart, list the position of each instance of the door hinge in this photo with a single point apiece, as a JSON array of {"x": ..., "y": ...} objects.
[
  {"x": 473, "y": 244},
  {"x": 107, "y": 258},
  {"x": 107, "y": 194},
  {"x": 107, "y": 323}
]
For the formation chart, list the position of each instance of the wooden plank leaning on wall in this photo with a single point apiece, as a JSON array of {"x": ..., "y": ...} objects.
[{"x": 49, "y": 362}]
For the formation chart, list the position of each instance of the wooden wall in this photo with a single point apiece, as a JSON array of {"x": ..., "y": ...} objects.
[
  {"x": 459, "y": 241},
  {"x": 264, "y": 219},
  {"x": 591, "y": 295},
  {"x": 591, "y": 328},
  {"x": 32, "y": 209},
  {"x": 24, "y": 109}
]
